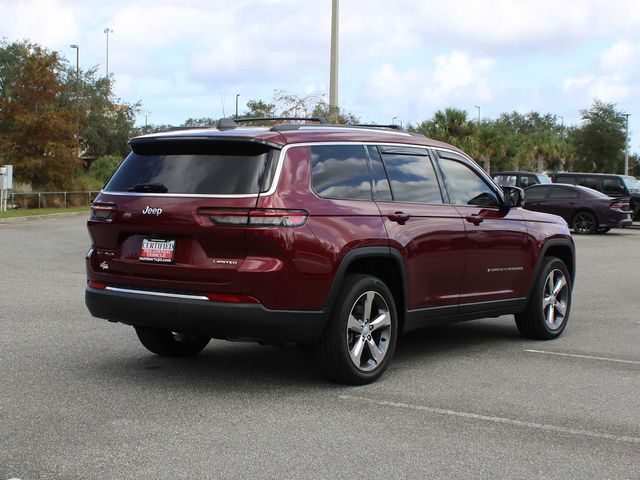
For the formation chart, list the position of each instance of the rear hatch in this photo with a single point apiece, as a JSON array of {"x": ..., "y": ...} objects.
[{"x": 172, "y": 215}]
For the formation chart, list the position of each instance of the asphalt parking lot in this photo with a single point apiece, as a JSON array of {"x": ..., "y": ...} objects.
[{"x": 82, "y": 399}]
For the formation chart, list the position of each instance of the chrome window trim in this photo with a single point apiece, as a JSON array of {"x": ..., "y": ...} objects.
[{"x": 157, "y": 294}]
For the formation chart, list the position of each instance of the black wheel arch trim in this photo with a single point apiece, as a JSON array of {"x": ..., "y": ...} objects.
[
  {"x": 367, "y": 252},
  {"x": 557, "y": 242}
]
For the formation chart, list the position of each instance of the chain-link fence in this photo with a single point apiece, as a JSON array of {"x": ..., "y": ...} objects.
[{"x": 51, "y": 199}]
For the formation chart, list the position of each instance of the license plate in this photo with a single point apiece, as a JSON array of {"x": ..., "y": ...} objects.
[{"x": 157, "y": 250}]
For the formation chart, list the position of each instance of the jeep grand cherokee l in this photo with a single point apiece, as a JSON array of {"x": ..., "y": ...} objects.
[{"x": 341, "y": 237}]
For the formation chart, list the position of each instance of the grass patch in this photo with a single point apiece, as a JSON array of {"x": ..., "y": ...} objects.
[{"x": 25, "y": 212}]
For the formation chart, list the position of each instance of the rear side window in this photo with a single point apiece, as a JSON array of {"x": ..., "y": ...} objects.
[
  {"x": 381, "y": 188},
  {"x": 193, "y": 169},
  {"x": 591, "y": 182},
  {"x": 567, "y": 180},
  {"x": 340, "y": 172},
  {"x": 505, "y": 180},
  {"x": 413, "y": 178}
]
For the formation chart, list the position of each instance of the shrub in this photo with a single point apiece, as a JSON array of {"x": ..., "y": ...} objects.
[{"x": 103, "y": 167}]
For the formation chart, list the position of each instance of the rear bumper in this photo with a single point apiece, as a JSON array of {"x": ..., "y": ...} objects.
[{"x": 215, "y": 319}]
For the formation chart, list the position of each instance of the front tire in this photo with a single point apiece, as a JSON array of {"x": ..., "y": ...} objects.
[
  {"x": 360, "y": 338},
  {"x": 548, "y": 310},
  {"x": 171, "y": 344}
]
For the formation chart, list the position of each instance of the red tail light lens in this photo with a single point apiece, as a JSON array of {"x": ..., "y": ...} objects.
[
  {"x": 231, "y": 298},
  {"x": 620, "y": 205},
  {"x": 96, "y": 285},
  {"x": 277, "y": 218},
  {"x": 103, "y": 211},
  {"x": 256, "y": 217}
]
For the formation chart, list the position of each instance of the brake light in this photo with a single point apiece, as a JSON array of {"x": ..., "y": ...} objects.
[
  {"x": 96, "y": 285},
  {"x": 103, "y": 211},
  {"x": 619, "y": 205},
  {"x": 256, "y": 217},
  {"x": 231, "y": 298},
  {"x": 277, "y": 218}
]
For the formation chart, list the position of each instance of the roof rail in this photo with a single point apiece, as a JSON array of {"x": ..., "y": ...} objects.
[
  {"x": 320, "y": 120},
  {"x": 373, "y": 125}
]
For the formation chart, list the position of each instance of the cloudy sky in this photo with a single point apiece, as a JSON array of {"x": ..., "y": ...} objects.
[{"x": 403, "y": 58}]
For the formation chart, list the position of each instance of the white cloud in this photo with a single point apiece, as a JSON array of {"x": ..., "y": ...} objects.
[
  {"x": 48, "y": 22},
  {"x": 456, "y": 78}
]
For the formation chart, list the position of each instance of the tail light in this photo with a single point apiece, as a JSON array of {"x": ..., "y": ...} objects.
[
  {"x": 256, "y": 217},
  {"x": 103, "y": 211},
  {"x": 96, "y": 285},
  {"x": 620, "y": 205}
]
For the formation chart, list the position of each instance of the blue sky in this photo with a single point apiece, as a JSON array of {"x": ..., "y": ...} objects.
[{"x": 403, "y": 59}]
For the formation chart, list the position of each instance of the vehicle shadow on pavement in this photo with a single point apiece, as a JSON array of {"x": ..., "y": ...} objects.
[{"x": 252, "y": 367}]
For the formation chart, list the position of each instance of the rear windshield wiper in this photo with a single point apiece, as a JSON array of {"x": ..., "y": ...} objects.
[{"x": 148, "y": 188}]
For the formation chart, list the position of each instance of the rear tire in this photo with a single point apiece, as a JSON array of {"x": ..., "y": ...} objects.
[
  {"x": 171, "y": 344},
  {"x": 360, "y": 337},
  {"x": 547, "y": 312},
  {"x": 584, "y": 222}
]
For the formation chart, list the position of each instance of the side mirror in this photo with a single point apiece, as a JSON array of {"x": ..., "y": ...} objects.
[{"x": 514, "y": 196}]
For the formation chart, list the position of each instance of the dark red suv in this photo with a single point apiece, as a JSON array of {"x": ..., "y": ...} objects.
[{"x": 341, "y": 237}]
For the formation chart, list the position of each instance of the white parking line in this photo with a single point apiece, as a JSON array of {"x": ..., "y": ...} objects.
[
  {"x": 589, "y": 357},
  {"x": 487, "y": 418}
]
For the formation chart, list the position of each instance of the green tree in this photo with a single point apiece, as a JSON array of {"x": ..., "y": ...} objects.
[
  {"x": 102, "y": 168},
  {"x": 450, "y": 125},
  {"x": 37, "y": 128},
  {"x": 599, "y": 142},
  {"x": 260, "y": 109}
]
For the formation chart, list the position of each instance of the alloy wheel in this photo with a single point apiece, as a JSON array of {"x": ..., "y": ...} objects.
[
  {"x": 368, "y": 331},
  {"x": 555, "y": 299}
]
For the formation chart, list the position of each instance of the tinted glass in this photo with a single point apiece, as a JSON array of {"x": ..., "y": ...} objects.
[
  {"x": 340, "y": 171},
  {"x": 563, "y": 193},
  {"x": 505, "y": 180},
  {"x": 536, "y": 193},
  {"x": 465, "y": 186},
  {"x": 632, "y": 184},
  {"x": 591, "y": 182},
  {"x": 568, "y": 180},
  {"x": 191, "y": 173},
  {"x": 412, "y": 178},
  {"x": 381, "y": 188},
  {"x": 527, "y": 181},
  {"x": 612, "y": 185}
]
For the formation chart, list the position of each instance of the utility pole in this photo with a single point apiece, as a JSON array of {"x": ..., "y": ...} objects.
[
  {"x": 108, "y": 31},
  {"x": 626, "y": 145},
  {"x": 77, "y": 49},
  {"x": 237, "y": 96},
  {"x": 478, "y": 113},
  {"x": 333, "y": 75}
]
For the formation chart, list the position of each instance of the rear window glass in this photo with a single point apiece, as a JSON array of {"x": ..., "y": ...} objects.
[{"x": 228, "y": 171}]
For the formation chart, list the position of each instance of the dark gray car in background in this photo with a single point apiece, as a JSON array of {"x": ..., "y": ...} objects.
[{"x": 584, "y": 209}]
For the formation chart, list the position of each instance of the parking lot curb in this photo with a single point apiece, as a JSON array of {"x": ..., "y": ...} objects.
[{"x": 47, "y": 216}]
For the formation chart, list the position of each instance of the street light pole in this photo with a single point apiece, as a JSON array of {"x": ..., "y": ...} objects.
[
  {"x": 237, "y": 96},
  {"x": 108, "y": 31},
  {"x": 333, "y": 75},
  {"x": 77, "y": 49},
  {"x": 478, "y": 112},
  {"x": 626, "y": 145},
  {"x": 393, "y": 121}
]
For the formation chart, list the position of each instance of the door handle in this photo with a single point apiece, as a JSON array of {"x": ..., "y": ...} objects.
[
  {"x": 399, "y": 217},
  {"x": 475, "y": 219}
]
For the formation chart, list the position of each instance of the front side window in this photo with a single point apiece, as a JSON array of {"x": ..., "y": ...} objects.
[
  {"x": 465, "y": 186},
  {"x": 612, "y": 185},
  {"x": 535, "y": 194},
  {"x": 340, "y": 172},
  {"x": 563, "y": 193},
  {"x": 413, "y": 178}
]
